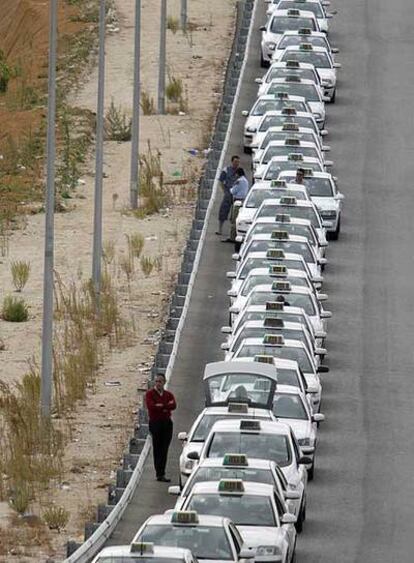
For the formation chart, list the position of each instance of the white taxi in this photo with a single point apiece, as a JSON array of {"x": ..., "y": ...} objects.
[
  {"x": 287, "y": 116},
  {"x": 315, "y": 38},
  {"x": 213, "y": 539},
  {"x": 144, "y": 552},
  {"x": 259, "y": 514},
  {"x": 291, "y": 406},
  {"x": 290, "y": 68},
  {"x": 314, "y": 6},
  {"x": 325, "y": 195},
  {"x": 277, "y": 24},
  {"x": 321, "y": 60},
  {"x": 265, "y": 104}
]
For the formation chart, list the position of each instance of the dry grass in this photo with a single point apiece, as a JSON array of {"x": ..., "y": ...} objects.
[
  {"x": 20, "y": 270},
  {"x": 154, "y": 195},
  {"x": 147, "y": 104}
]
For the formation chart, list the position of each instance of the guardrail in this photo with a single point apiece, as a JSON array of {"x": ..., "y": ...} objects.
[{"x": 128, "y": 477}]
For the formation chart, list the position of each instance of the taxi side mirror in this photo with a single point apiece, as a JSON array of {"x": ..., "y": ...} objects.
[
  {"x": 288, "y": 518},
  {"x": 182, "y": 436},
  {"x": 324, "y": 132},
  {"x": 226, "y": 329},
  {"x": 318, "y": 417},
  {"x": 305, "y": 460},
  {"x": 258, "y": 80},
  {"x": 225, "y": 346},
  {"x": 247, "y": 553},
  {"x": 195, "y": 456},
  {"x": 245, "y": 113},
  {"x": 323, "y": 369},
  {"x": 237, "y": 203},
  {"x": 326, "y": 314},
  {"x": 174, "y": 490}
]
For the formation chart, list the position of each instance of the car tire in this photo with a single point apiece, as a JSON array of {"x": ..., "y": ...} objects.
[
  {"x": 335, "y": 234},
  {"x": 263, "y": 63},
  {"x": 333, "y": 97},
  {"x": 311, "y": 471},
  {"x": 299, "y": 521},
  {"x": 247, "y": 150}
]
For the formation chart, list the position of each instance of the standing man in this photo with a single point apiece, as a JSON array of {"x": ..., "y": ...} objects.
[
  {"x": 227, "y": 179},
  {"x": 239, "y": 192},
  {"x": 160, "y": 403},
  {"x": 300, "y": 176}
]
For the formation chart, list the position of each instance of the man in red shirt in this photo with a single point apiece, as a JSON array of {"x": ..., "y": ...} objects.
[{"x": 160, "y": 403}]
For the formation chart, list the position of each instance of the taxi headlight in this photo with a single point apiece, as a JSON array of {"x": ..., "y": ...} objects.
[
  {"x": 189, "y": 464},
  {"x": 271, "y": 46},
  {"x": 327, "y": 82},
  {"x": 266, "y": 550},
  {"x": 243, "y": 226},
  {"x": 304, "y": 442}
]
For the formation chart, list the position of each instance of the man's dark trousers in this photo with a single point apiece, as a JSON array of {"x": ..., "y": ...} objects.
[{"x": 161, "y": 431}]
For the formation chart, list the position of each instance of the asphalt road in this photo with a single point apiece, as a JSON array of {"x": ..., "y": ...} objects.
[{"x": 361, "y": 503}]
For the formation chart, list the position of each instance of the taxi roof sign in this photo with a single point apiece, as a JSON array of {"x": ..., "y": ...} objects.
[
  {"x": 274, "y": 306},
  {"x": 279, "y": 235},
  {"x": 234, "y": 406},
  {"x": 290, "y": 127},
  {"x": 273, "y": 339},
  {"x": 184, "y": 517},
  {"x": 289, "y": 111},
  {"x": 292, "y": 64},
  {"x": 307, "y": 171},
  {"x": 293, "y": 13},
  {"x": 288, "y": 200},
  {"x": 275, "y": 254},
  {"x": 306, "y": 47},
  {"x": 296, "y": 156},
  {"x": 305, "y": 31},
  {"x": 282, "y": 218},
  {"x": 250, "y": 424},
  {"x": 231, "y": 486},
  {"x": 281, "y": 286},
  {"x": 273, "y": 322},
  {"x": 278, "y": 184},
  {"x": 235, "y": 460},
  {"x": 278, "y": 270},
  {"x": 143, "y": 548},
  {"x": 264, "y": 359}
]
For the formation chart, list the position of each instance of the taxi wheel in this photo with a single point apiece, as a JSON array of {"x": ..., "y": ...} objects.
[
  {"x": 335, "y": 234},
  {"x": 299, "y": 522},
  {"x": 333, "y": 97},
  {"x": 263, "y": 63},
  {"x": 311, "y": 472}
]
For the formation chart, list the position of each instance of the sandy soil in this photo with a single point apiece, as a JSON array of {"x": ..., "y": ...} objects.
[{"x": 101, "y": 425}]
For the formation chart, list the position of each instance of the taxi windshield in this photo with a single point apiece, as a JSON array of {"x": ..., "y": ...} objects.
[
  {"x": 305, "y": 73},
  {"x": 245, "y": 473},
  {"x": 280, "y": 24},
  {"x": 294, "y": 210},
  {"x": 308, "y": 91},
  {"x": 206, "y": 542},
  {"x": 287, "y": 376},
  {"x": 291, "y": 299},
  {"x": 275, "y": 168},
  {"x": 257, "y": 445},
  {"x": 286, "y": 150},
  {"x": 263, "y": 280},
  {"x": 286, "y": 352},
  {"x": 292, "y": 40},
  {"x": 291, "y": 228},
  {"x": 251, "y": 264},
  {"x": 242, "y": 387},
  {"x": 280, "y": 120},
  {"x": 256, "y": 197},
  {"x": 318, "y": 60},
  {"x": 263, "y": 106},
  {"x": 207, "y": 422},
  {"x": 289, "y": 406},
  {"x": 283, "y": 135},
  {"x": 259, "y": 332},
  {"x": 295, "y": 247},
  {"x": 243, "y": 510},
  {"x": 313, "y": 7}
]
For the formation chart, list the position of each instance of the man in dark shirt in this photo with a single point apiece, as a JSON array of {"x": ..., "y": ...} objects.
[
  {"x": 160, "y": 403},
  {"x": 227, "y": 179}
]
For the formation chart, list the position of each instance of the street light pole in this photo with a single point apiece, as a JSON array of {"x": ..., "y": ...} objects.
[
  {"x": 47, "y": 321},
  {"x": 162, "y": 57},
  {"x": 134, "y": 178},
  {"x": 184, "y": 15},
  {"x": 97, "y": 223}
]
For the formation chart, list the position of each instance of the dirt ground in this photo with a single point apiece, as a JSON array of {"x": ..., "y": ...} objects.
[{"x": 101, "y": 425}]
